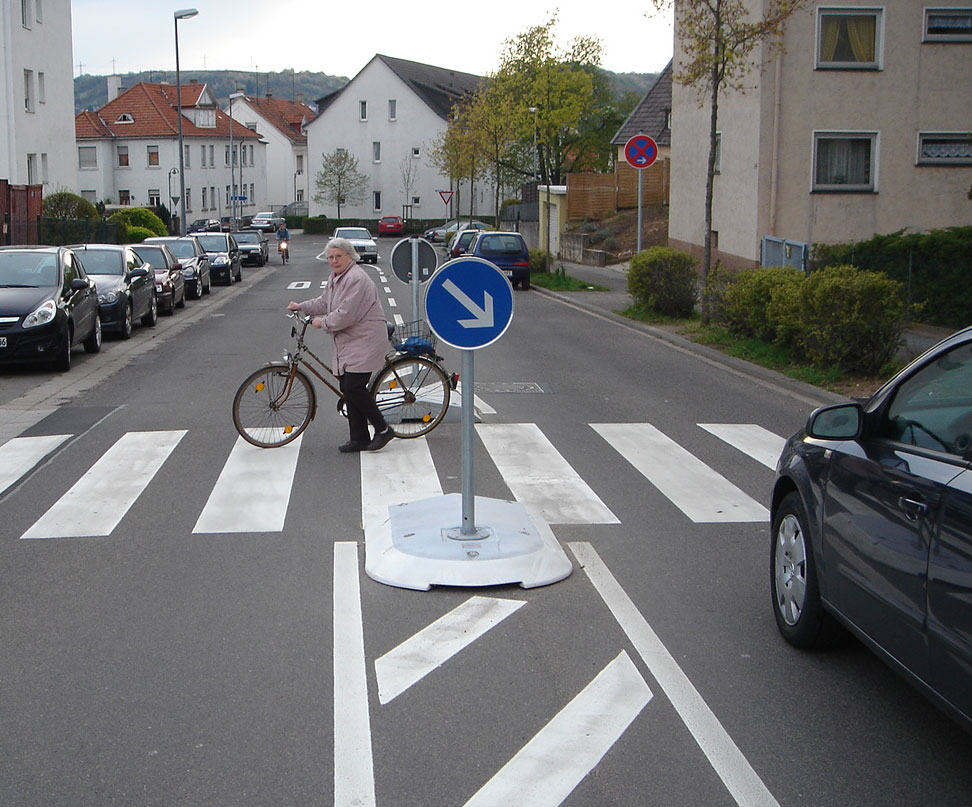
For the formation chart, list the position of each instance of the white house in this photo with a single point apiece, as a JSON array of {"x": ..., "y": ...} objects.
[
  {"x": 282, "y": 125},
  {"x": 387, "y": 116},
  {"x": 127, "y": 152},
  {"x": 36, "y": 94}
]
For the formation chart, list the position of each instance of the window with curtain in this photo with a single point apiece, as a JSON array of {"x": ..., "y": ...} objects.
[
  {"x": 152, "y": 156},
  {"x": 848, "y": 38},
  {"x": 123, "y": 156},
  {"x": 844, "y": 162},
  {"x": 939, "y": 148}
]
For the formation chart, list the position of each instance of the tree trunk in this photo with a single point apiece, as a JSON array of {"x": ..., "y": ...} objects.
[{"x": 710, "y": 169}]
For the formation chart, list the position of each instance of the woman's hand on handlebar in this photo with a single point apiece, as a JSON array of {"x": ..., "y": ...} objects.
[{"x": 292, "y": 306}]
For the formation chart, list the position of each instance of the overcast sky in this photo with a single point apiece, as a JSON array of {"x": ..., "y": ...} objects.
[{"x": 339, "y": 38}]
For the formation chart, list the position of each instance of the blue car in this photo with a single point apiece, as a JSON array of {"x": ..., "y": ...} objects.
[
  {"x": 872, "y": 526},
  {"x": 507, "y": 251}
]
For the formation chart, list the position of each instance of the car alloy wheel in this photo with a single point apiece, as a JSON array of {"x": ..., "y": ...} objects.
[
  {"x": 93, "y": 343},
  {"x": 63, "y": 360},
  {"x": 126, "y": 323}
]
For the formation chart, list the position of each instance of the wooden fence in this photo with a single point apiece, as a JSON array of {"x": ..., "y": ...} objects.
[{"x": 597, "y": 196}]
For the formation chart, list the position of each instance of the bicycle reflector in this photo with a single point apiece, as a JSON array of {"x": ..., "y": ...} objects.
[{"x": 259, "y": 386}]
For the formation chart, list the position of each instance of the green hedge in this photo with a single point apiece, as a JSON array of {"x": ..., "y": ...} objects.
[
  {"x": 663, "y": 279},
  {"x": 60, "y": 231},
  {"x": 136, "y": 235},
  {"x": 140, "y": 217},
  {"x": 932, "y": 267}
]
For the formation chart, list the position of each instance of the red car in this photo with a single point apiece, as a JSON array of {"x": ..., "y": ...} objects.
[{"x": 391, "y": 225}]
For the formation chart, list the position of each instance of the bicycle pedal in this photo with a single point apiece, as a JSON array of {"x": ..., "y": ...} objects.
[{"x": 454, "y": 380}]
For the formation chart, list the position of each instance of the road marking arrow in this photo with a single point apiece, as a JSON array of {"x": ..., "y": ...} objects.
[{"x": 482, "y": 317}]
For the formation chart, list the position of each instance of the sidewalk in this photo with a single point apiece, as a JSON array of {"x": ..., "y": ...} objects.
[{"x": 916, "y": 339}]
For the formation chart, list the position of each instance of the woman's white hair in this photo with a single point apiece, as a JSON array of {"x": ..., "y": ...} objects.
[{"x": 345, "y": 246}]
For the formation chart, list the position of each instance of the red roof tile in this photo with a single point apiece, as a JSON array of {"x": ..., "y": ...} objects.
[{"x": 286, "y": 116}]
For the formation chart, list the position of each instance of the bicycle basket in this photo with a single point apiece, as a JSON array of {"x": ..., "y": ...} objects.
[{"x": 414, "y": 339}]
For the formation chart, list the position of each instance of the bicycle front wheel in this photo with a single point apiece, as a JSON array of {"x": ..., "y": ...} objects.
[
  {"x": 271, "y": 409},
  {"x": 413, "y": 395}
]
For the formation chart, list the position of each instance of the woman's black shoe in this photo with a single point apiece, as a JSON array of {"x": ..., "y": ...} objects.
[
  {"x": 353, "y": 445},
  {"x": 380, "y": 440}
]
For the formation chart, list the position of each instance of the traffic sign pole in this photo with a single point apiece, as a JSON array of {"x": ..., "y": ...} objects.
[
  {"x": 414, "y": 244},
  {"x": 640, "y": 152}
]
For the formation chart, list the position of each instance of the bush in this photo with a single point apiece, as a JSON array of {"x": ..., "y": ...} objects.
[
  {"x": 67, "y": 205},
  {"x": 663, "y": 279},
  {"x": 538, "y": 260},
  {"x": 294, "y": 222},
  {"x": 842, "y": 317},
  {"x": 317, "y": 225},
  {"x": 746, "y": 304},
  {"x": 140, "y": 217},
  {"x": 136, "y": 235}
]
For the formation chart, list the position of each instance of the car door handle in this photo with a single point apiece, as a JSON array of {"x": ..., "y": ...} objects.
[{"x": 912, "y": 508}]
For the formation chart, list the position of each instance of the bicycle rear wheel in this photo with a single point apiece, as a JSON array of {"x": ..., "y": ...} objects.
[
  {"x": 269, "y": 410},
  {"x": 413, "y": 395}
]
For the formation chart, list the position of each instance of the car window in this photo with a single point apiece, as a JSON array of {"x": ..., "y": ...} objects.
[
  {"x": 500, "y": 245},
  {"x": 151, "y": 254},
  {"x": 352, "y": 232},
  {"x": 49, "y": 269},
  {"x": 212, "y": 243},
  {"x": 933, "y": 408},
  {"x": 103, "y": 262},
  {"x": 181, "y": 249},
  {"x": 247, "y": 238}
]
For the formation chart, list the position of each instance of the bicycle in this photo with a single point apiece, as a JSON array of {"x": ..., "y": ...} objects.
[{"x": 274, "y": 405}]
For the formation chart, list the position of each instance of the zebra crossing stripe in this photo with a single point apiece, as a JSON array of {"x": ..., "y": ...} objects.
[
  {"x": 702, "y": 494},
  {"x": 19, "y": 455},
  {"x": 252, "y": 492},
  {"x": 115, "y": 481},
  {"x": 539, "y": 476},
  {"x": 759, "y": 443},
  {"x": 403, "y": 472}
]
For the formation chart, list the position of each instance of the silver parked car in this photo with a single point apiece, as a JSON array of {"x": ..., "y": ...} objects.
[{"x": 362, "y": 242}]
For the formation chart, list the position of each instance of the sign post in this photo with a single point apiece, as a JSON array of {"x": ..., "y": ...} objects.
[
  {"x": 469, "y": 305},
  {"x": 640, "y": 152}
]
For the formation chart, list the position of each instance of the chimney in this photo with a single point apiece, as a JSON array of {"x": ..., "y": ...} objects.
[
  {"x": 114, "y": 87},
  {"x": 269, "y": 95}
]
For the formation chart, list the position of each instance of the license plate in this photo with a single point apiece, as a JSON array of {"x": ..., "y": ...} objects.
[
  {"x": 509, "y": 273},
  {"x": 3, "y": 341}
]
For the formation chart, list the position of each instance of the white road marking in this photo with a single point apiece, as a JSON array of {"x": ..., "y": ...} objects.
[
  {"x": 399, "y": 319},
  {"x": 403, "y": 472},
  {"x": 392, "y": 303},
  {"x": 481, "y": 406},
  {"x": 548, "y": 768},
  {"x": 698, "y": 491},
  {"x": 298, "y": 285},
  {"x": 354, "y": 777},
  {"x": 19, "y": 455},
  {"x": 252, "y": 492},
  {"x": 435, "y": 644},
  {"x": 725, "y": 757},
  {"x": 759, "y": 443},
  {"x": 100, "y": 498},
  {"x": 540, "y": 477}
]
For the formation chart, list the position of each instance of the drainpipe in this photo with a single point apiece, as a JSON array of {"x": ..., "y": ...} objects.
[{"x": 775, "y": 162}]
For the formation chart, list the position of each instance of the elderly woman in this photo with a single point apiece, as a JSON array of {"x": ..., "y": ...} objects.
[{"x": 349, "y": 310}]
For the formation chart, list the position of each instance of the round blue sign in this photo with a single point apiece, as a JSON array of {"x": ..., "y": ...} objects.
[
  {"x": 640, "y": 151},
  {"x": 469, "y": 303}
]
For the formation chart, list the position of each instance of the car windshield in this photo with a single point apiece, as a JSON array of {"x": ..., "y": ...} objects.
[
  {"x": 390, "y": 220},
  {"x": 151, "y": 254},
  {"x": 27, "y": 269},
  {"x": 213, "y": 243},
  {"x": 501, "y": 245},
  {"x": 181, "y": 249},
  {"x": 103, "y": 261},
  {"x": 247, "y": 238},
  {"x": 359, "y": 233}
]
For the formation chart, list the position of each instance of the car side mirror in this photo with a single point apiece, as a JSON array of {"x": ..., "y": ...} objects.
[
  {"x": 79, "y": 283},
  {"x": 838, "y": 422},
  {"x": 140, "y": 271},
  {"x": 177, "y": 265}
]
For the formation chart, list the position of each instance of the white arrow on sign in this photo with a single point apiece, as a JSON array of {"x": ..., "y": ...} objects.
[{"x": 483, "y": 317}]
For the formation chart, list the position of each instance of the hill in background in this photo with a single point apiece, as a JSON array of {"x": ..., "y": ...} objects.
[{"x": 91, "y": 92}]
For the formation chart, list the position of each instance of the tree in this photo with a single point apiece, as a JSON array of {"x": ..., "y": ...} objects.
[
  {"x": 717, "y": 40},
  {"x": 408, "y": 168},
  {"x": 62, "y": 204},
  {"x": 339, "y": 181}
]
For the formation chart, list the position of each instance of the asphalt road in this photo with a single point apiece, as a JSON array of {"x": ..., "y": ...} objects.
[{"x": 207, "y": 634}]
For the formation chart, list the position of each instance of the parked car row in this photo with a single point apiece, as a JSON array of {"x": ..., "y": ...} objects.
[{"x": 54, "y": 298}]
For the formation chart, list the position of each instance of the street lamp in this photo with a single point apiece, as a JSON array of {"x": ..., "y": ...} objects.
[
  {"x": 181, "y": 14},
  {"x": 233, "y": 95}
]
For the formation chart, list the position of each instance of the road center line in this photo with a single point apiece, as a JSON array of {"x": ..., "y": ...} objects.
[
  {"x": 354, "y": 776},
  {"x": 725, "y": 757}
]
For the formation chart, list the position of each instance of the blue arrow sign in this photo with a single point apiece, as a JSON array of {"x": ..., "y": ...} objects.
[{"x": 469, "y": 303}]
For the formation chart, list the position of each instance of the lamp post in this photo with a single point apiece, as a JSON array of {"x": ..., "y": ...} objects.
[
  {"x": 233, "y": 194},
  {"x": 181, "y": 14}
]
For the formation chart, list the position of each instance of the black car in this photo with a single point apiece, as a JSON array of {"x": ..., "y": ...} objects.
[
  {"x": 170, "y": 281},
  {"x": 253, "y": 246},
  {"x": 224, "y": 256},
  {"x": 48, "y": 304},
  {"x": 126, "y": 286},
  {"x": 872, "y": 525},
  {"x": 204, "y": 226},
  {"x": 193, "y": 259}
]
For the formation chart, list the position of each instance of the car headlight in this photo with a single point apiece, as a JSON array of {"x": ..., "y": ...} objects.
[
  {"x": 42, "y": 315},
  {"x": 220, "y": 260},
  {"x": 107, "y": 297}
]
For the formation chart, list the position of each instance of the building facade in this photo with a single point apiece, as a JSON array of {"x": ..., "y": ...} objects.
[
  {"x": 36, "y": 94},
  {"x": 282, "y": 124},
  {"x": 388, "y": 116},
  {"x": 127, "y": 153},
  {"x": 860, "y": 126}
]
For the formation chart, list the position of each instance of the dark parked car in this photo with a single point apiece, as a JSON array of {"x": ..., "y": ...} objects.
[
  {"x": 204, "y": 226},
  {"x": 224, "y": 256},
  {"x": 48, "y": 304},
  {"x": 253, "y": 246},
  {"x": 170, "y": 282},
  {"x": 872, "y": 525},
  {"x": 126, "y": 286},
  {"x": 460, "y": 244},
  {"x": 508, "y": 251},
  {"x": 194, "y": 261}
]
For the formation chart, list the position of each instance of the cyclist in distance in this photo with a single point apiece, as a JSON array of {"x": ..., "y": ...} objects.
[{"x": 350, "y": 311}]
